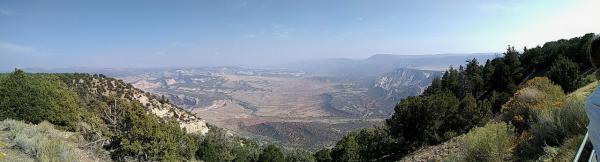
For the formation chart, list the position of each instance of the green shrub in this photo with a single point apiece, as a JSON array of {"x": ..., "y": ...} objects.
[
  {"x": 565, "y": 73},
  {"x": 537, "y": 94},
  {"x": 36, "y": 98},
  {"x": 492, "y": 142},
  {"x": 323, "y": 155},
  {"x": 300, "y": 155},
  {"x": 145, "y": 137},
  {"x": 347, "y": 149},
  {"x": 550, "y": 127},
  {"x": 271, "y": 153},
  {"x": 572, "y": 118},
  {"x": 215, "y": 147},
  {"x": 218, "y": 145}
]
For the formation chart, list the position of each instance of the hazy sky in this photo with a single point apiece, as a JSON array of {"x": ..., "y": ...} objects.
[{"x": 120, "y": 33}]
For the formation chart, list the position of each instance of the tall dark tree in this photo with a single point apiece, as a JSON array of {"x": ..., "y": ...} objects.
[
  {"x": 487, "y": 73},
  {"x": 376, "y": 144},
  {"x": 474, "y": 76},
  {"x": 424, "y": 119},
  {"x": 346, "y": 149},
  {"x": 471, "y": 114},
  {"x": 271, "y": 154},
  {"x": 508, "y": 72},
  {"x": 323, "y": 155},
  {"x": 565, "y": 73}
]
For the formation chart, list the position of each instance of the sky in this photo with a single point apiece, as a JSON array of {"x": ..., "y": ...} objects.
[{"x": 174, "y": 33}]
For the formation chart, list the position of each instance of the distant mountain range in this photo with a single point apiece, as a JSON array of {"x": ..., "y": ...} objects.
[{"x": 383, "y": 63}]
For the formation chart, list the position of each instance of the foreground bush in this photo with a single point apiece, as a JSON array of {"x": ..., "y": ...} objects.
[
  {"x": 550, "y": 127},
  {"x": 566, "y": 152},
  {"x": 537, "y": 94},
  {"x": 42, "y": 141},
  {"x": 492, "y": 142}
]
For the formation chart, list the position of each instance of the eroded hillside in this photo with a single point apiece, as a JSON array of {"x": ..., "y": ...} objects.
[{"x": 245, "y": 99}]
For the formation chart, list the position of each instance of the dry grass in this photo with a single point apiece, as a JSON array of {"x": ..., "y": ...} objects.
[
  {"x": 493, "y": 142},
  {"x": 43, "y": 142}
]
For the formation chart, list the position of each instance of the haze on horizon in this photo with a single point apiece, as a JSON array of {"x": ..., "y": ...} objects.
[{"x": 56, "y": 34}]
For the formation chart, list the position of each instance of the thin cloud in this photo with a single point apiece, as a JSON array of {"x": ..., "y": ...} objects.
[
  {"x": 11, "y": 48},
  {"x": 498, "y": 7},
  {"x": 281, "y": 34},
  {"x": 6, "y": 12}
]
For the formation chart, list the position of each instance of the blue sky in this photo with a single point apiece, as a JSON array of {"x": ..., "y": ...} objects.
[{"x": 54, "y": 34}]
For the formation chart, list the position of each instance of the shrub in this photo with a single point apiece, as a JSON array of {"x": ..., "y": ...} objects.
[
  {"x": 323, "y": 155},
  {"x": 565, "y": 73},
  {"x": 550, "y": 127},
  {"x": 566, "y": 152},
  {"x": 536, "y": 94},
  {"x": 423, "y": 120},
  {"x": 492, "y": 142},
  {"x": 36, "y": 98},
  {"x": 271, "y": 154},
  {"x": 376, "y": 144},
  {"x": 218, "y": 145},
  {"x": 347, "y": 149},
  {"x": 42, "y": 141},
  {"x": 572, "y": 118},
  {"x": 215, "y": 147},
  {"x": 300, "y": 155},
  {"x": 145, "y": 137}
]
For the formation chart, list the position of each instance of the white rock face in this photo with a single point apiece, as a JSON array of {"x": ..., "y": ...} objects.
[
  {"x": 189, "y": 122},
  {"x": 170, "y": 81},
  {"x": 402, "y": 81}
]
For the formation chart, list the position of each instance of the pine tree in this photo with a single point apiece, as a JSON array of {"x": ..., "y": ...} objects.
[
  {"x": 565, "y": 73},
  {"x": 346, "y": 149},
  {"x": 271, "y": 154},
  {"x": 474, "y": 75},
  {"x": 323, "y": 155}
]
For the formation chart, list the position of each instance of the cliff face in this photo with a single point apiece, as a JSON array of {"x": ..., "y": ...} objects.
[{"x": 404, "y": 82}]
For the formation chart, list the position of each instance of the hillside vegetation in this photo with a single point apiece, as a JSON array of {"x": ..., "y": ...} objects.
[
  {"x": 72, "y": 114},
  {"x": 538, "y": 118}
]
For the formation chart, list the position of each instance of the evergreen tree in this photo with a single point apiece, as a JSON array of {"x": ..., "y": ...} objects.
[
  {"x": 485, "y": 111},
  {"x": 565, "y": 73},
  {"x": 323, "y": 155},
  {"x": 487, "y": 73},
  {"x": 38, "y": 97},
  {"x": 423, "y": 120},
  {"x": 471, "y": 114},
  {"x": 300, "y": 155},
  {"x": 474, "y": 76},
  {"x": 376, "y": 144},
  {"x": 271, "y": 154},
  {"x": 346, "y": 149}
]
